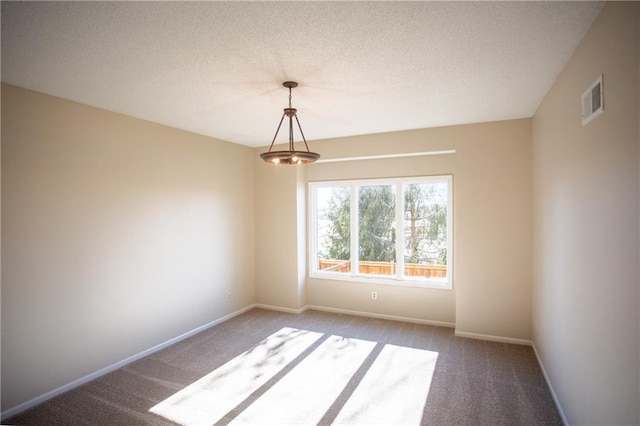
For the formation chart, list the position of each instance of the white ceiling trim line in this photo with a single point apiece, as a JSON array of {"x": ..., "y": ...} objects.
[{"x": 377, "y": 157}]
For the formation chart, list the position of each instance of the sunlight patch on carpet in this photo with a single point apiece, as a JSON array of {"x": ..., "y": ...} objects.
[
  {"x": 393, "y": 391},
  {"x": 208, "y": 399},
  {"x": 304, "y": 395},
  {"x": 393, "y": 388}
]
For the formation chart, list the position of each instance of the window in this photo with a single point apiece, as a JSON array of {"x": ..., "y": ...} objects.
[{"x": 386, "y": 230}]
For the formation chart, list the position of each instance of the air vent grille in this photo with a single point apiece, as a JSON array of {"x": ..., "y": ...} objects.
[{"x": 592, "y": 101}]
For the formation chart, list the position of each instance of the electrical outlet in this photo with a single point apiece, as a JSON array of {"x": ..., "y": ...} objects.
[
  {"x": 228, "y": 296},
  {"x": 374, "y": 295}
]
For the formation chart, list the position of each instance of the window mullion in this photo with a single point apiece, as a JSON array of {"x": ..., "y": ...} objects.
[
  {"x": 355, "y": 236},
  {"x": 399, "y": 231}
]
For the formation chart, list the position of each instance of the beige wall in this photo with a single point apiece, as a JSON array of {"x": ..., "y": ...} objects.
[
  {"x": 276, "y": 246},
  {"x": 492, "y": 226},
  {"x": 586, "y": 228},
  {"x": 281, "y": 259},
  {"x": 117, "y": 235}
]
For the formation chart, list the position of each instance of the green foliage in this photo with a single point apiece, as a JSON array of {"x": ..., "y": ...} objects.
[
  {"x": 339, "y": 235},
  {"x": 425, "y": 216},
  {"x": 377, "y": 213},
  {"x": 425, "y": 222}
]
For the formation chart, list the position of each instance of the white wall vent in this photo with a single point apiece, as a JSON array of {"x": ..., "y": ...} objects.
[{"x": 592, "y": 101}]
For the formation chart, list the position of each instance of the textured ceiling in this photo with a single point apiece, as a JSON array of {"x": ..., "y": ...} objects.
[{"x": 216, "y": 68}]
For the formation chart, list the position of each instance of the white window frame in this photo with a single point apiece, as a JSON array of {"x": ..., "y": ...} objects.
[{"x": 399, "y": 279}]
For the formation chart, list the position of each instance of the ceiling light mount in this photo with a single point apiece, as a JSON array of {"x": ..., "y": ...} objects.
[{"x": 291, "y": 156}]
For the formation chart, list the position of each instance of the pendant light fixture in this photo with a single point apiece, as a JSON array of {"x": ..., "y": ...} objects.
[{"x": 290, "y": 156}]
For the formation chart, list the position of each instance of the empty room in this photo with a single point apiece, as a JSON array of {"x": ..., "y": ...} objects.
[{"x": 320, "y": 213}]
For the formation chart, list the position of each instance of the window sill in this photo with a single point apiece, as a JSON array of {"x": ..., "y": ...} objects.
[{"x": 376, "y": 279}]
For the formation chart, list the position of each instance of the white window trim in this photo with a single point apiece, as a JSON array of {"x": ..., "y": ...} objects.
[{"x": 398, "y": 280}]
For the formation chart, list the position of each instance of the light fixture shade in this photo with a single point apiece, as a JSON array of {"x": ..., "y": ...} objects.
[{"x": 291, "y": 156}]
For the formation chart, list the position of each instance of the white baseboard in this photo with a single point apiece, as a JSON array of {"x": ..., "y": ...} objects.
[
  {"x": 81, "y": 381},
  {"x": 493, "y": 338},
  {"x": 556, "y": 401},
  {"x": 382, "y": 316},
  {"x": 281, "y": 309}
]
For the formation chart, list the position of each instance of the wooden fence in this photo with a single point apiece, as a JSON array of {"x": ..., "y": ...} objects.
[{"x": 384, "y": 268}]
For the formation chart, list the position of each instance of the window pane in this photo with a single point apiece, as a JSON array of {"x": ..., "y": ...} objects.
[
  {"x": 334, "y": 233},
  {"x": 425, "y": 230},
  {"x": 377, "y": 229}
]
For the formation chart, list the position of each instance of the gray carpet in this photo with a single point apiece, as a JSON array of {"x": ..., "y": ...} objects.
[{"x": 473, "y": 382}]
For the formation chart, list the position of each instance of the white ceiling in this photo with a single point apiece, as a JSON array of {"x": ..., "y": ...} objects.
[{"x": 216, "y": 68}]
